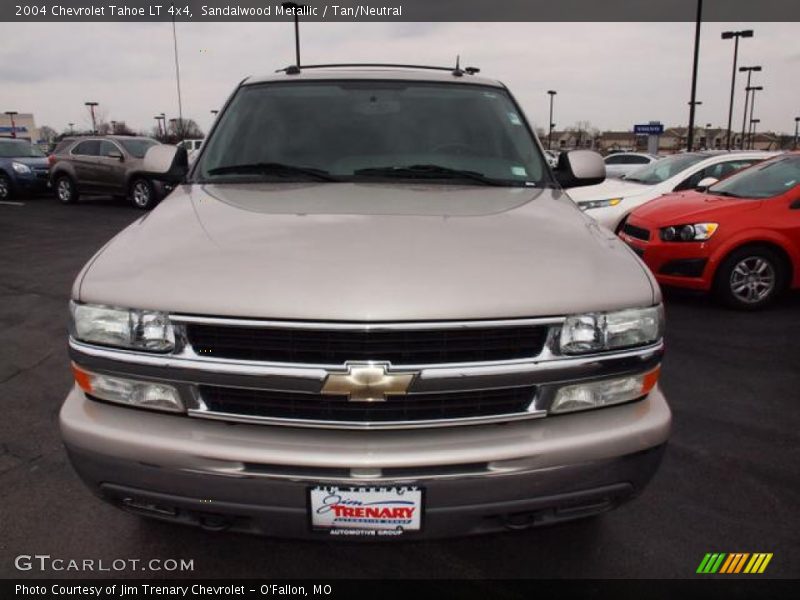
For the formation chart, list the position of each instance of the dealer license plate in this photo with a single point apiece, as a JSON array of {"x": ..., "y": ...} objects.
[{"x": 368, "y": 509}]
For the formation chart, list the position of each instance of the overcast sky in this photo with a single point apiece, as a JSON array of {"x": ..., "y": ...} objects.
[{"x": 611, "y": 74}]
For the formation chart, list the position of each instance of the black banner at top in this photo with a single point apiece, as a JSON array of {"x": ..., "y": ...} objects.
[{"x": 399, "y": 10}]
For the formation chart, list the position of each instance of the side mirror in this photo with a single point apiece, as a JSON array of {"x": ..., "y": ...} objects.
[
  {"x": 115, "y": 154},
  {"x": 166, "y": 163},
  {"x": 577, "y": 168},
  {"x": 705, "y": 183}
]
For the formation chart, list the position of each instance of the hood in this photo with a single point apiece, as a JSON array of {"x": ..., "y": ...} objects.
[
  {"x": 686, "y": 207},
  {"x": 366, "y": 252},
  {"x": 610, "y": 188}
]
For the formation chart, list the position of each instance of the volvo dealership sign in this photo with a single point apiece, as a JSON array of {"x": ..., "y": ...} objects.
[{"x": 649, "y": 129}]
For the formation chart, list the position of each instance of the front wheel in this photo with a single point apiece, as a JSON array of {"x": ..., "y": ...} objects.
[
  {"x": 66, "y": 192},
  {"x": 5, "y": 187},
  {"x": 750, "y": 278},
  {"x": 142, "y": 194}
]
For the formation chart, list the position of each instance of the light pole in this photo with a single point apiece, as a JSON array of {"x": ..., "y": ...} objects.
[
  {"x": 91, "y": 106},
  {"x": 113, "y": 127},
  {"x": 71, "y": 130},
  {"x": 726, "y": 35},
  {"x": 11, "y": 114},
  {"x": 158, "y": 124},
  {"x": 552, "y": 94},
  {"x": 746, "y": 97},
  {"x": 690, "y": 131},
  {"x": 753, "y": 89},
  {"x": 692, "y": 103},
  {"x": 796, "y": 131},
  {"x": 753, "y": 123},
  {"x": 296, "y": 8}
]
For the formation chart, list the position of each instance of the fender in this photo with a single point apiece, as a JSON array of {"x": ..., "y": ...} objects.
[{"x": 755, "y": 236}]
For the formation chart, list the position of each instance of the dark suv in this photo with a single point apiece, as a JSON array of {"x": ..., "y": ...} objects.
[
  {"x": 104, "y": 165},
  {"x": 23, "y": 168}
]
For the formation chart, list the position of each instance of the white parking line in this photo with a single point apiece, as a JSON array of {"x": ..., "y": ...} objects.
[{"x": 9, "y": 203}]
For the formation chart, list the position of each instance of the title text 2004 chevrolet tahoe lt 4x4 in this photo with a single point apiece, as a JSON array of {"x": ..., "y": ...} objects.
[{"x": 368, "y": 308}]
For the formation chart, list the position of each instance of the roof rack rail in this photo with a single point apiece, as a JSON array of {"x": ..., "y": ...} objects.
[{"x": 457, "y": 71}]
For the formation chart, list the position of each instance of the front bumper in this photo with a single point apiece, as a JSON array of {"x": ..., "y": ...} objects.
[
  {"x": 687, "y": 265},
  {"x": 31, "y": 183},
  {"x": 254, "y": 478}
]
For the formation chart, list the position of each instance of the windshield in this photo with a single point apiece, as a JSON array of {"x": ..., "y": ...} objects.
[
  {"x": 137, "y": 147},
  {"x": 665, "y": 168},
  {"x": 19, "y": 149},
  {"x": 766, "y": 180},
  {"x": 372, "y": 130}
]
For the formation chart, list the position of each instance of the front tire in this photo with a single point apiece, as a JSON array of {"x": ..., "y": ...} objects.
[
  {"x": 142, "y": 194},
  {"x": 66, "y": 192},
  {"x": 750, "y": 278},
  {"x": 5, "y": 187}
]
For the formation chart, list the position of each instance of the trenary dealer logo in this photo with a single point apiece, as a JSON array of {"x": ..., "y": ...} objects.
[{"x": 734, "y": 563}]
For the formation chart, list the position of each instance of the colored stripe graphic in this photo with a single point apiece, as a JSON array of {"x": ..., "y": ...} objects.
[
  {"x": 723, "y": 563},
  {"x": 711, "y": 562}
]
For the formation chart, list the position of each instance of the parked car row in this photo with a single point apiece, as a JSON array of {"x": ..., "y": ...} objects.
[{"x": 738, "y": 238}]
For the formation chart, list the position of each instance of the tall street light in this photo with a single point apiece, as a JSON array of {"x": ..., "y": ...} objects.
[
  {"x": 158, "y": 124},
  {"x": 692, "y": 103},
  {"x": 726, "y": 35},
  {"x": 690, "y": 131},
  {"x": 796, "y": 130},
  {"x": 71, "y": 130},
  {"x": 550, "y": 125},
  {"x": 750, "y": 71},
  {"x": 753, "y": 89},
  {"x": 91, "y": 106},
  {"x": 11, "y": 114},
  {"x": 753, "y": 123}
]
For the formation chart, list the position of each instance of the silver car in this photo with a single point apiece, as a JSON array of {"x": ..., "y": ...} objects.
[
  {"x": 620, "y": 164},
  {"x": 367, "y": 309}
]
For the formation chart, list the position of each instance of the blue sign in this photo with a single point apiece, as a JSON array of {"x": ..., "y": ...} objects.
[{"x": 649, "y": 129}]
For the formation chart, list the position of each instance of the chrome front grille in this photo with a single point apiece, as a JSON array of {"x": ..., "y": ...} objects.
[
  {"x": 397, "y": 346},
  {"x": 406, "y": 408}
]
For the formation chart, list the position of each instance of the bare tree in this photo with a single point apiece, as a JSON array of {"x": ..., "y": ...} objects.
[{"x": 47, "y": 133}]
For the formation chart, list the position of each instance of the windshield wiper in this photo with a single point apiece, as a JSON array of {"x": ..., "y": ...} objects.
[
  {"x": 427, "y": 172},
  {"x": 726, "y": 194},
  {"x": 272, "y": 168}
]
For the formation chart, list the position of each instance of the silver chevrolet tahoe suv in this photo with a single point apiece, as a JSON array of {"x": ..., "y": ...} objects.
[{"x": 366, "y": 310}]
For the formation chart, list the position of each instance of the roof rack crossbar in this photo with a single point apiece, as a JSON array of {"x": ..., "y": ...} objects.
[{"x": 294, "y": 69}]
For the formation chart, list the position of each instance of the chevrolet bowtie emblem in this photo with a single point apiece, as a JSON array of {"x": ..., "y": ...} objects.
[{"x": 367, "y": 383}]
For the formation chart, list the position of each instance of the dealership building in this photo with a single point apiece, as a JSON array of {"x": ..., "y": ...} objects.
[{"x": 24, "y": 127}]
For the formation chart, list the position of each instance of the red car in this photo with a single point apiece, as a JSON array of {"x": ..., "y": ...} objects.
[{"x": 739, "y": 239}]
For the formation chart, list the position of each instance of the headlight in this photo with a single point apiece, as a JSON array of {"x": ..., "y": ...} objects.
[
  {"x": 697, "y": 232},
  {"x": 20, "y": 168},
  {"x": 123, "y": 328},
  {"x": 590, "y": 204},
  {"x": 606, "y": 392},
  {"x": 120, "y": 390},
  {"x": 597, "y": 332}
]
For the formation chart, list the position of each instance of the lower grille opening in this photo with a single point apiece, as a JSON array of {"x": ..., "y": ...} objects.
[{"x": 325, "y": 407}]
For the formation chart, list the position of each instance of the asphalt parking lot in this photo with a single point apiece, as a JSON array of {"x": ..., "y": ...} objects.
[{"x": 729, "y": 481}]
